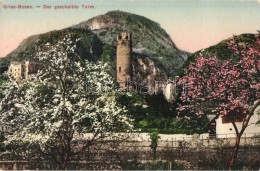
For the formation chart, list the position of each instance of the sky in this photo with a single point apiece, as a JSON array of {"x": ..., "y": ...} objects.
[{"x": 192, "y": 24}]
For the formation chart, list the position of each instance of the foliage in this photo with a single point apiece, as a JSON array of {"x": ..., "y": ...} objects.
[
  {"x": 216, "y": 159},
  {"x": 216, "y": 84},
  {"x": 3, "y": 80},
  {"x": 2, "y": 145},
  {"x": 108, "y": 56},
  {"x": 229, "y": 87},
  {"x": 154, "y": 136},
  {"x": 3, "y": 64},
  {"x": 191, "y": 125},
  {"x": 155, "y": 112},
  {"x": 66, "y": 109}
]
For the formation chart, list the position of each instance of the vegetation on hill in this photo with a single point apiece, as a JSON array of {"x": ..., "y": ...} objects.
[
  {"x": 3, "y": 79},
  {"x": 149, "y": 39},
  {"x": 4, "y": 64},
  {"x": 99, "y": 41},
  {"x": 90, "y": 46},
  {"x": 220, "y": 50}
]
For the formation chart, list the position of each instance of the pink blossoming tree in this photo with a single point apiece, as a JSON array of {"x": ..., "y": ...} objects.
[{"x": 225, "y": 88}]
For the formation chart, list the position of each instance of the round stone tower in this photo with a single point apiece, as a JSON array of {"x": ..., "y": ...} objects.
[{"x": 124, "y": 71}]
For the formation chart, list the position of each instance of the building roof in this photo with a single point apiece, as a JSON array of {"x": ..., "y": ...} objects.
[{"x": 15, "y": 62}]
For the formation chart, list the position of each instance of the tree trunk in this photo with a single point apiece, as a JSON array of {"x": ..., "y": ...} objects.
[
  {"x": 240, "y": 133},
  {"x": 65, "y": 164},
  {"x": 238, "y": 137},
  {"x": 235, "y": 152}
]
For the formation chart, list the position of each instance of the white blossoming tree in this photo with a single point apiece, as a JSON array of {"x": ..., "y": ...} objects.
[{"x": 65, "y": 109}]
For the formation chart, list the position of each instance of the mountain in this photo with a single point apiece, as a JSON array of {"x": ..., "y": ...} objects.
[
  {"x": 220, "y": 50},
  {"x": 33, "y": 44},
  {"x": 152, "y": 46},
  {"x": 148, "y": 37}
]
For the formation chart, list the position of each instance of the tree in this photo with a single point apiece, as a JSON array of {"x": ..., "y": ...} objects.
[
  {"x": 154, "y": 136},
  {"x": 228, "y": 88},
  {"x": 65, "y": 109}
]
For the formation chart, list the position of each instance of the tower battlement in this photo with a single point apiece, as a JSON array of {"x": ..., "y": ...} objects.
[{"x": 124, "y": 36}]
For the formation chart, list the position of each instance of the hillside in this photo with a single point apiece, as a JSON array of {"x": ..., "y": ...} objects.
[
  {"x": 151, "y": 43},
  {"x": 220, "y": 50},
  {"x": 33, "y": 44},
  {"x": 152, "y": 46},
  {"x": 149, "y": 38}
]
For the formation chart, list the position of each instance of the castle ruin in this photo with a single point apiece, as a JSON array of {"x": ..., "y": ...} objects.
[
  {"x": 126, "y": 78},
  {"x": 22, "y": 70}
]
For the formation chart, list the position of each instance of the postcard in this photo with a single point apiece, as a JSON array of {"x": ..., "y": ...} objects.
[{"x": 129, "y": 84}]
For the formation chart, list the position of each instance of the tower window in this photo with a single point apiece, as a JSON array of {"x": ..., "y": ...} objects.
[{"x": 119, "y": 69}]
